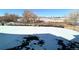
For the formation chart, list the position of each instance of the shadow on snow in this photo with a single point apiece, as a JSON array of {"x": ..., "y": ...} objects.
[{"x": 43, "y": 41}]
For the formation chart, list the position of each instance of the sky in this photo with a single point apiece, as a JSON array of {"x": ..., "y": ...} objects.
[{"x": 39, "y": 12}]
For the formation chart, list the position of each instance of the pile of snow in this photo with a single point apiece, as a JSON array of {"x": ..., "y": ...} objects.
[{"x": 10, "y": 34}]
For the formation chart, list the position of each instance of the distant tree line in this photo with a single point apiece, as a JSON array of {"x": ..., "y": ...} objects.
[{"x": 30, "y": 17}]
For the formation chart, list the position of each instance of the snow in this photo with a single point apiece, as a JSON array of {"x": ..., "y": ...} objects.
[{"x": 9, "y": 35}]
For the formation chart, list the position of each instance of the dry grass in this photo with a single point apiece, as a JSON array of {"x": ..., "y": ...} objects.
[{"x": 76, "y": 28}]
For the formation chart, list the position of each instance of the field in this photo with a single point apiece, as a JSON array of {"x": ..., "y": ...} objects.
[{"x": 12, "y": 37}]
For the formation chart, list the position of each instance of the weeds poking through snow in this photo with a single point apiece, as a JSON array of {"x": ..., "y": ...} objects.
[
  {"x": 26, "y": 42},
  {"x": 69, "y": 46},
  {"x": 41, "y": 42}
]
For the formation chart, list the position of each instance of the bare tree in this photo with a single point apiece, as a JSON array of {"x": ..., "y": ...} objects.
[
  {"x": 29, "y": 17},
  {"x": 10, "y": 17},
  {"x": 73, "y": 17}
]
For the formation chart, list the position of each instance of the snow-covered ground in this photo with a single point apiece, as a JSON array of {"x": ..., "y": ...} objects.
[{"x": 9, "y": 35}]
